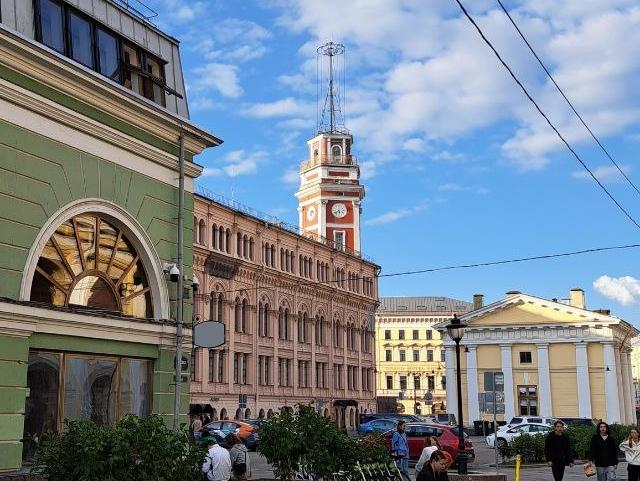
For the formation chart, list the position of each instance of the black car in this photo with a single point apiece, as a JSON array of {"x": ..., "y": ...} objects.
[
  {"x": 577, "y": 421},
  {"x": 409, "y": 418}
]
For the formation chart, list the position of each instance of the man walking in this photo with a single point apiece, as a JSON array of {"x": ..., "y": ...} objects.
[
  {"x": 557, "y": 451},
  {"x": 217, "y": 462},
  {"x": 400, "y": 450},
  {"x": 603, "y": 452}
]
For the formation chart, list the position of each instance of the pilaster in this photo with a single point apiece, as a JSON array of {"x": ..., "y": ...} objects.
[
  {"x": 544, "y": 381},
  {"x": 582, "y": 378},
  {"x": 507, "y": 370}
]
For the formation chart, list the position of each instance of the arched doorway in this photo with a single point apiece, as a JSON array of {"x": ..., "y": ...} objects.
[
  {"x": 238, "y": 414},
  {"x": 261, "y": 414},
  {"x": 247, "y": 413},
  {"x": 214, "y": 414},
  {"x": 223, "y": 413},
  {"x": 270, "y": 413}
]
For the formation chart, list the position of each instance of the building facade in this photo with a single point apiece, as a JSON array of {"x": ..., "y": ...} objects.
[
  {"x": 410, "y": 353},
  {"x": 298, "y": 318},
  {"x": 557, "y": 359},
  {"x": 92, "y": 118}
]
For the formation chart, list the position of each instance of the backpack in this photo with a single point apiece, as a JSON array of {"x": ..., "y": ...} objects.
[{"x": 240, "y": 468}]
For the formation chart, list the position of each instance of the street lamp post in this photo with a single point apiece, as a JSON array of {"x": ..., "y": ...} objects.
[{"x": 456, "y": 330}]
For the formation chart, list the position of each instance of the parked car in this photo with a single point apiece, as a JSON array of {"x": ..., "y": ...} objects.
[
  {"x": 505, "y": 437},
  {"x": 377, "y": 426},
  {"x": 417, "y": 432},
  {"x": 408, "y": 418},
  {"x": 518, "y": 420},
  {"x": 578, "y": 421},
  {"x": 241, "y": 428},
  {"x": 445, "y": 418}
]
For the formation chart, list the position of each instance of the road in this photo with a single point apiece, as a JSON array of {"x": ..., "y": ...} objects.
[{"x": 484, "y": 463}]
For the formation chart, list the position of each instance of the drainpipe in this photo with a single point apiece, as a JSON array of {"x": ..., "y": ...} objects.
[{"x": 180, "y": 287}]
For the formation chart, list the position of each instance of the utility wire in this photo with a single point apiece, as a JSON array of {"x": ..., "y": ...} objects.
[
  {"x": 541, "y": 112},
  {"x": 606, "y": 152},
  {"x": 454, "y": 267}
]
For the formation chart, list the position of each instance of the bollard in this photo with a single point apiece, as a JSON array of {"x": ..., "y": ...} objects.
[{"x": 518, "y": 459}]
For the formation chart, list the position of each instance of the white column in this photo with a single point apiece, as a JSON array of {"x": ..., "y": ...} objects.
[
  {"x": 507, "y": 370},
  {"x": 632, "y": 393},
  {"x": 626, "y": 388},
  {"x": 582, "y": 375},
  {"x": 473, "y": 406},
  {"x": 450, "y": 363},
  {"x": 544, "y": 381},
  {"x": 610, "y": 384},
  {"x": 620, "y": 385}
]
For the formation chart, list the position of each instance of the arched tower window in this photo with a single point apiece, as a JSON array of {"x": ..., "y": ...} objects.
[
  {"x": 336, "y": 153},
  {"x": 90, "y": 262}
]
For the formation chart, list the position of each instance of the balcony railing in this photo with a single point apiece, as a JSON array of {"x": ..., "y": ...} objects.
[
  {"x": 338, "y": 160},
  {"x": 138, "y": 9}
]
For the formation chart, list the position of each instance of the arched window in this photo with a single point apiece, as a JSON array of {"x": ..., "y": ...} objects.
[
  {"x": 227, "y": 241},
  {"x": 281, "y": 258},
  {"x": 336, "y": 153},
  {"x": 260, "y": 314},
  {"x": 251, "y": 248},
  {"x": 300, "y": 267},
  {"x": 245, "y": 247},
  {"x": 195, "y": 229},
  {"x": 213, "y": 307},
  {"x": 220, "y": 308},
  {"x": 244, "y": 314},
  {"x": 265, "y": 317},
  {"x": 239, "y": 244},
  {"x": 236, "y": 315},
  {"x": 286, "y": 323},
  {"x": 306, "y": 267},
  {"x": 273, "y": 255},
  {"x": 318, "y": 331},
  {"x": 201, "y": 233},
  {"x": 221, "y": 238},
  {"x": 292, "y": 262},
  {"x": 90, "y": 262},
  {"x": 214, "y": 236},
  {"x": 280, "y": 327}
]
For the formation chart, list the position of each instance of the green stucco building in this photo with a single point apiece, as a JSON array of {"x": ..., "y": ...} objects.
[{"x": 92, "y": 108}]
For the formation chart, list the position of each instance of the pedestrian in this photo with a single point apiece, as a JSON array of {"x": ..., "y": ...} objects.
[
  {"x": 631, "y": 449},
  {"x": 557, "y": 451},
  {"x": 435, "y": 469},
  {"x": 196, "y": 427},
  {"x": 240, "y": 464},
  {"x": 431, "y": 444},
  {"x": 603, "y": 452},
  {"x": 400, "y": 450},
  {"x": 217, "y": 462}
]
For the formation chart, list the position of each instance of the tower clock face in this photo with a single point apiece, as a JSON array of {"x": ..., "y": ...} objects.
[
  {"x": 311, "y": 213},
  {"x": 339, "y": 210}
]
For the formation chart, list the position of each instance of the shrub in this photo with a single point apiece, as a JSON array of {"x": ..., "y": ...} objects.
[
  {"x": 530, "y": 447},
  {"x": 580, "y": 437},
  {"x": 133, "y": 449},
  {"x": 307, "y": 439}
]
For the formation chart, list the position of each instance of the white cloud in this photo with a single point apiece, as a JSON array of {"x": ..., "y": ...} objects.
[
  {"x": 414, "y": 145},
  {"x": 625, "y": 290},
  {"x": 238, "y": 162},
  {"x": 220, "y": 77},
  {"x": 450, "y": 187},
  {"x": 394, "y": 215},
  {"x": 604, "y": 173},
  {"x": 291, "y": 177},
  {"x": 279, "y": 108}
]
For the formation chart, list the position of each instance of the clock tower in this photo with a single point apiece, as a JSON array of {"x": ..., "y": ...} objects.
[{"x": 330, "y": 193}]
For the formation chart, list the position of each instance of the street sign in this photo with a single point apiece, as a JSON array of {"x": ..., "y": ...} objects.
[{"x": 490, "y": 377}]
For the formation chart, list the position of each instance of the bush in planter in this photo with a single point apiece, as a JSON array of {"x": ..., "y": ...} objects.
[
  {"x": 133, "y": 449},
  {"x": 307, "y": 439},
  {"x": 530, "y": 447},
  {"x": 580, "y": 438}
]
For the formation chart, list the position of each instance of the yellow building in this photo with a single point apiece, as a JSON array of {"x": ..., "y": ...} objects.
[
  {"x": 558, "y": 358},
  {"x": 409, "y": 353},
  {"x": 635, "y": 369}
]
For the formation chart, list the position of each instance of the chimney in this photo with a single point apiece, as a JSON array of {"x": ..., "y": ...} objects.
[
  {"x": 512, "y": 293},
  {"x": 478, "y": 301},
  {"x": 576, "y": 298}
]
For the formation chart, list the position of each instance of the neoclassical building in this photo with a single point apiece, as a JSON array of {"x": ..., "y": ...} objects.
[
  {"x": 410, "y": 352},
  {"x": 93, "y": 121},
  {"x": 558, "y": 359},
  {"x": 298, "y": 318}
]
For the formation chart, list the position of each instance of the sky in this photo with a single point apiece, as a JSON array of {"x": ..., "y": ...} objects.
[{"x": 458, "y": 166}]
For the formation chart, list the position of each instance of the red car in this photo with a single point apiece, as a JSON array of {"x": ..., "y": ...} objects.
[{"x": 447, "y": 437}]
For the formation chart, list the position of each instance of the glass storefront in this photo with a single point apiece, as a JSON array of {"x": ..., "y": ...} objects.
[{"x": 73, "y": 386}]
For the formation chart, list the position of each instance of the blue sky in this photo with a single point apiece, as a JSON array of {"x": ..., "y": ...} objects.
[{"x": 457, "y": 165}]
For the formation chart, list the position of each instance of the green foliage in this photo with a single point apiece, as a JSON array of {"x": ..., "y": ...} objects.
[
  {"x": 530, "y": 447},
  {"x": 580, "y": 438},
  {"x": 307, "y": 439},
  {"x": 133, "y": 449}
]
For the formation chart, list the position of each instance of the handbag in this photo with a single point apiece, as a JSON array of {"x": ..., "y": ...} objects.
[{"x": 589, "y": 469}]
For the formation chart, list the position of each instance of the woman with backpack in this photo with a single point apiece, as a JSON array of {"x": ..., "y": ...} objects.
[{"x": 240, "y": 464}]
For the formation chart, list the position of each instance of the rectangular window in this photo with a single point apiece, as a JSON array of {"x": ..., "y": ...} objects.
[
  {"x": 108, "y": 55},
  {"x": 416, "y": 355},
  {"x": 525, "y": 357},
  {"x": 416, "y": 334},
  {"x": 51, "y": 30},
  {"x": 387, "y": 355},
  {"x": 80, "y": 39},
  {"x": 429, "y": 355},
  {"x": 429, "y": 334},
  {"x": 528, "y": 400},
  {"x": 442, "y": 355},
  {"x": 236, "y": 367},
  {"x": 245, "y": 366},
  {"x": 403, "y": 383},
  {"x": 403, "y": 356},
  {"x": 387, "y": 334},
  {"x": 389, "y": 382},
  {"x": 339, "y": 239},
  {"x": 431, "y": 383},
  {"x": 401, "y": 334},
  {"x": 416, "y": 382},
  {"x": 212, "y": 365},
  {"x": 221, "y": 366}
]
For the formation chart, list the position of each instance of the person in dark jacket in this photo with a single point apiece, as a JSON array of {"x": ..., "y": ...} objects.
[
  {"x": 557, "y": 451},
  {"x": 435, "y": 469},
  {"x": 603, "y": 452}
]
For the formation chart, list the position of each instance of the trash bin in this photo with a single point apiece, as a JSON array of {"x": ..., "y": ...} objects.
[{"x": 477, "y": 428}]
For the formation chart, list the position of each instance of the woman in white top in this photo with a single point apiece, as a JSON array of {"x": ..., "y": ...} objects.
[
  {"x": 431, "y": 444},
  {"x": 631, "y": 449}
]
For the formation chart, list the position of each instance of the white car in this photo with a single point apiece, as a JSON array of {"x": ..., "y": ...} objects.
[
  {"x": 505, "y": 437},
  {"x": 519, "y": 420}
]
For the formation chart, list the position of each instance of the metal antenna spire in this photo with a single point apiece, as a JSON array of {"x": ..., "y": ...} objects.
[{"x": 333, "y": 98}]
